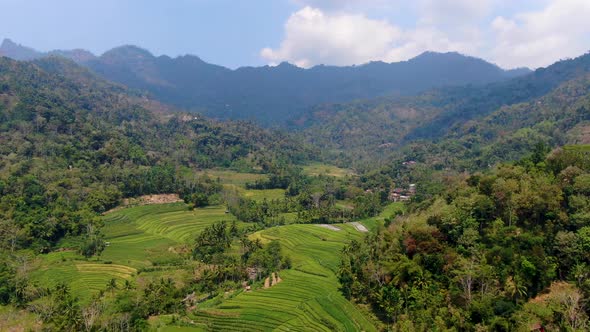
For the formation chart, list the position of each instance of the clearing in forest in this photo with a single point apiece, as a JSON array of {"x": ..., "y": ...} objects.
[{"x": 318, "y": 169}]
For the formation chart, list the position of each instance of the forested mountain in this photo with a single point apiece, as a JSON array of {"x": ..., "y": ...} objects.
[
  {"x": 273, "y": 94},
  {"x": 468, "y": 118},
  {"x": 72, "y": 145}
]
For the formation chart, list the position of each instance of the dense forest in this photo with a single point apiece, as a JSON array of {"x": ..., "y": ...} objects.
[{"x": 503, "y": 250}]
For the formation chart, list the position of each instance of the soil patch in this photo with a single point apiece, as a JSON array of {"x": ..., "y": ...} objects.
[
  {"x": 359, "y": 227},
  {"x": 328, "y": 226}
]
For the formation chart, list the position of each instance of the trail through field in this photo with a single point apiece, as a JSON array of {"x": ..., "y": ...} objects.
[{"x": 359, "y": 227}]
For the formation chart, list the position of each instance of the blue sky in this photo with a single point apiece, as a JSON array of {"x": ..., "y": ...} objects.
[{"x": 307, "y": 32}]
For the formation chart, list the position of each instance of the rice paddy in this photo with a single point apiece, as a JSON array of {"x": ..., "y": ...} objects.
[
  {"x": 83, "y": 277},
  {"x": 138, "y": 237},
  {"x": 172, "y": 221},
  {"x": 308, "y": 297}
]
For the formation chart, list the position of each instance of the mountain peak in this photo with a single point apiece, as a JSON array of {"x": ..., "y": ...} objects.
[
  {"x": 127, "y": 51},
  {"x": 287, "y": 65},
  {"x": 7, "y": 42},
  {"x": 18, "y": 52}
]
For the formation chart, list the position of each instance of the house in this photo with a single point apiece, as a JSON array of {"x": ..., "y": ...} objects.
[
  {"x": 393, "y": 196},
  {"x": 402, "y": 195}
]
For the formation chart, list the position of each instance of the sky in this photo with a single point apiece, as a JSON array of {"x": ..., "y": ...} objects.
[{"x": 234, "y": 33}]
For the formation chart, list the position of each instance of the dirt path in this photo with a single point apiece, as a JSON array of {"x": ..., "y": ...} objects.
[
  {"x": 359, "y": 227},
  {"x": 332, "y": 227}
]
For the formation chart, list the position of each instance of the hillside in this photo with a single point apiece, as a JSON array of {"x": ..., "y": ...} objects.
[
  {"x": 502, "y": 250},
  {"x": 375, "y": 128},
  {"x": 271, "y": 95},
  {"x": 73, "y": 143}
]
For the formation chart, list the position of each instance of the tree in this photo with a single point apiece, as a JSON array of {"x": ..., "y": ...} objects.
[
  {"x": 91, "y": 312},
  {"x": 94, "y": 243},
  {"x": 199, "y": 200}
]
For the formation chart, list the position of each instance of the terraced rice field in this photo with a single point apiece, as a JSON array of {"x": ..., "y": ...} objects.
[
  {"x": 84, "y": 277},
  {"x": 172, "y": 221},
  {"x": 307, "y": 299},
  {"x": 138, "y": 237}
]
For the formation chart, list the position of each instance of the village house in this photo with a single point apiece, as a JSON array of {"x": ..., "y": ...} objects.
[{"x": 401, "y": 194}]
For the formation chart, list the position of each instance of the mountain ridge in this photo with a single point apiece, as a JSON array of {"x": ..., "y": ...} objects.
[{"x": 269, "y": 94}]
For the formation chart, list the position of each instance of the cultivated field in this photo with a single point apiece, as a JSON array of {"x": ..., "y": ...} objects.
[
  {"x": 308, "y": 297},
  {"x": 84, "y": 277},
  {"x": 329, "y": 170},
  {"x": 138, "y": 237}
]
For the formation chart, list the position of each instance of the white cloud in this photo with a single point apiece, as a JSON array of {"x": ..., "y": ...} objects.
[
  {"x": 539, "y": 38},
  {"x": 314, "y": 37},
  {"x": 344, "y": 4},
  {"x": 342, "y": 32}
]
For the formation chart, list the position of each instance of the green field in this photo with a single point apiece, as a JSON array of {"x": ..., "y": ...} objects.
[
  {"x": 231, "y": 177},
  {"x": 329, "y": 170},
  {"x": 84, "y": 277},
  {"x": 138, "y": 237},
  {"x": 308, "y": 297},
  {"x": 257, "y": 194},
  {"x": 262, "y": 194},
  {"x": 388, "y": 211},
  {"x": 172, "y": 221}
]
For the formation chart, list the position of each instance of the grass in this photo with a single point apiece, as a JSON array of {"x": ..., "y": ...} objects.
[
  {"x": 388, "y": 211},
  {"x": 257, "y": 194},
  {"x": 308, "y": 297},
  {"x": 318, "y": 169},
  {"x": 261, "y": 194},
  {"x": 232, "y": 177},
  {"x": 171, "y": 221},
  {"x": 138, "y": 237},
  {"x": 12, "y": 319},
  {"x": 84, "y": 277}
]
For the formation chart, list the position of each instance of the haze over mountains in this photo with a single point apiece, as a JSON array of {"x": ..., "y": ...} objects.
[{"x": 272, "y": 95}]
